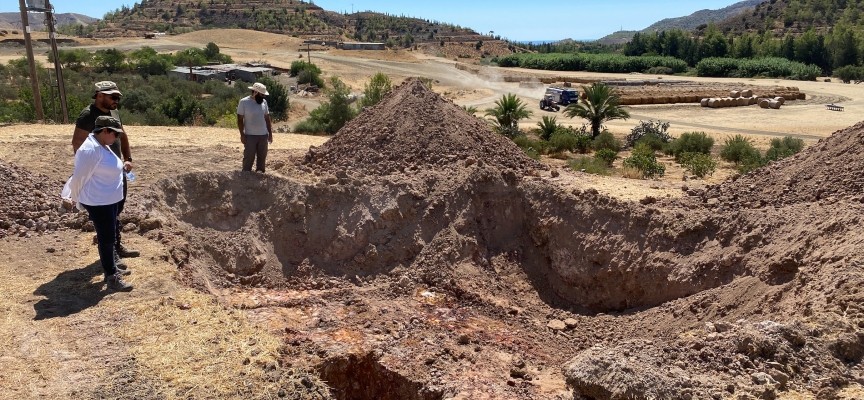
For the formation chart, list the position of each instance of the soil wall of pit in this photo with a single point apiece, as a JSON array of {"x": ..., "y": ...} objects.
[{"x": 578, "y": 248}]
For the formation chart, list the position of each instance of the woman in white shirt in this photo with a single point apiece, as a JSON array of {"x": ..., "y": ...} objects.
[{"x": 97, "y": 186}]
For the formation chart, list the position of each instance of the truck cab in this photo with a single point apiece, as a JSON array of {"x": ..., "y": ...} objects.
[{"x": 563, "y": 96}]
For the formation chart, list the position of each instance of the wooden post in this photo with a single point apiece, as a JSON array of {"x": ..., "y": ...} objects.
[
  {"x": 61, "y": 87},
  {"x": 34, "y": 83}
]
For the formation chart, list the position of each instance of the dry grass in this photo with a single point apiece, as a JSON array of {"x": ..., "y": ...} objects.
[{"x": 162, "y": 340}]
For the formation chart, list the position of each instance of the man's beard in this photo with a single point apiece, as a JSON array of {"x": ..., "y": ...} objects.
[{"x": 259, "y": 99}]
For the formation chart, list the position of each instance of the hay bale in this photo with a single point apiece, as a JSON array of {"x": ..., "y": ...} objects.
[
  {"x": 734, "y": 94},
  {"x": 774, "y": 104},
  {"x": 752, "y": 100},
  {"x": 802, "y": 96},
  {"x": 714, "y": 103},
  {"x": 764, "y": 103},
  {"x": 704, "y": 102},
  {"x": 780, "y": 100},
  {"x": 747, "y": 93}
]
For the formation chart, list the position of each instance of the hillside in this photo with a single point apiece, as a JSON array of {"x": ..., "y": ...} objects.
[
  {"x": 794, "y": 17},
  {"x": 292, "y": 17},
  {"x": 12, "y": 20},
  {"x": 687, "y": 23}
]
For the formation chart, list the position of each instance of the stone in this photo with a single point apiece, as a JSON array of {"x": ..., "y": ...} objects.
[
  {"x": 571, "y": 323},
  {"x": 556, "y": 325}
]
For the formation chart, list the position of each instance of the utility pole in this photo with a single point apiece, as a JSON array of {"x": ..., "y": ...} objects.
[
  {"x": 61, "y": 87},
  {"x": 309, "y": 53},
  {"x": 37, "y": 97}
]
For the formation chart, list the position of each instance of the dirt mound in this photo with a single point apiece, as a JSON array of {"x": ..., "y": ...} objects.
[
  {"x": 414, "y": 128},
  {"x": 827, "y": 172},
  {"x": 29, "y": 203}
]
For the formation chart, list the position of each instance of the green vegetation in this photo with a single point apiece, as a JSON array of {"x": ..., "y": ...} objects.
[
  {"x": 375, "y": 90},
  {"x": 644, "y": 161},
  {"x": 600, "y": 104},
  {"x": 590, "y": 62},
  {"x": 331, "y": 115},
  {"x": 658, "y": 129},
  {"x": 144, "y": 95},
  {"x": 737, "y": 149},
  {"x": 277, "y": 101},
  {"x": 591, "y": 165},
  {"x": 608, "y": 156},
  {"x": 606, "y": 141},
  {"x": 698, "y": 164},
  {"x": 690, "y": 143},
  {"x": 307, "y": 73},
  {"x": 772, "y": 67},
  {"x": 548, "y": 126},
  {"x": 506, "y": 114}
]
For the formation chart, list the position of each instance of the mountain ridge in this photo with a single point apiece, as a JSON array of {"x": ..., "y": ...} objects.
[{"x": 687, "y": 22}]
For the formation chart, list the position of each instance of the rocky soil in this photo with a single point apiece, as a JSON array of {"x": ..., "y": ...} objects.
[{"x": 417, "y": 255}]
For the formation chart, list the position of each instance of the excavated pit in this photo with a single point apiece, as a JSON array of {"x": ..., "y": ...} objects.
[{"x": 415, "y": 196}]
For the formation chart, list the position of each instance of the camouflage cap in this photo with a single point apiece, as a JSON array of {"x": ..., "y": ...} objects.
[
  {"x": 106, "y": 87},
  {"x": 108, "y": 122}
]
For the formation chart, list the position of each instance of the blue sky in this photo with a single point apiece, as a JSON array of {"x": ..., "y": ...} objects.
[{"x": 515, "y": 20}]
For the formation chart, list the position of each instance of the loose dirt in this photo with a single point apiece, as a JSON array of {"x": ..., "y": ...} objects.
[{"x": 493, "y": 279}]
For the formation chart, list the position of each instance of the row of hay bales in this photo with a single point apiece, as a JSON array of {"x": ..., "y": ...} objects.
[
  {"x": 671, "y": 95},
  {"x": 723, "y": 102}
]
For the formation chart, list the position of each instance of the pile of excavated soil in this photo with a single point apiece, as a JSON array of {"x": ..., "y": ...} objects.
[
  {"x": 29, "y": 203},
  {"x": 414, "y": 128},
  {"x": 828, "y": 172},
  {"x": 473, "y": 280}
]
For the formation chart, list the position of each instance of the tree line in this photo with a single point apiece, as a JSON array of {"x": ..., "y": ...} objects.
[{"x": 835, "y": 49}]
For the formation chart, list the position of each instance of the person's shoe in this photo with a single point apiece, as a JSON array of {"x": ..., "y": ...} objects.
[
  {"x": 115, "y": 282},
  {"x": 119, "y": 262},
  {"x": 126, "y": 253}
]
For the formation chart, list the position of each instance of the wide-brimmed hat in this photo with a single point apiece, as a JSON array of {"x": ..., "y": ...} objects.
[
  {"x": 109, "y": 123},
  {"x": 260, "y": 88},
  {"x": 106, "y": 87}
]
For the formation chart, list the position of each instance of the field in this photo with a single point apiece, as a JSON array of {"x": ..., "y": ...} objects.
[{"x": 418, "y": 255}]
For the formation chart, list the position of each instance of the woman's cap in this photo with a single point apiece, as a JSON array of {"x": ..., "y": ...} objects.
[
  {"x": 108, "y": 122},
  {"x": 106, "y": 87},
  {"x": 260, "y": 88}
]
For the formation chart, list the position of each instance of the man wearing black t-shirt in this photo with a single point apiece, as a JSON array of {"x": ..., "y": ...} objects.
[{"x": 105, "y": 102}]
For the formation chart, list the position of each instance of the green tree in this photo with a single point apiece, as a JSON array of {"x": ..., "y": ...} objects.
[
  {"x": 507, "y": 112},
  {"x": 333, "y": 114},
  {"x": 548, "y": 126},
  {"x": 599, "y": 105},
  {"x": 109, "y": 60},
  {"x": 211, "y": 51},
  {"x": 375, "y": 90},
  {"x": 277, "y": 101}
]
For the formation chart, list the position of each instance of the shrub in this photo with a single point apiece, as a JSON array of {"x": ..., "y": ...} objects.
[
  {"x": 591, "y": 165},
  {"x": 644, "y": 160},
  {"x": 660, "y": 71},
  {"x": 532, "y": 148},
  {"x": 653, "y": 141},
  {"x": 608, "y": 156},
  {"x": 563, "y": 141},
  {"x": 606, "y": 140},
  {"x": 849, "y": 73},
  {"x": 310, "y": 127},
  {"x": 691, "y": 142},
  {"x": 738, "y": 148},
  {"x": 699, "y": 164},
  {"x": 658, "y": 128}
]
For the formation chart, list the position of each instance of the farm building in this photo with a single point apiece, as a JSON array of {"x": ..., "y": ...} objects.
[
  {"x": 362, "y": 46},
  {"x": 222, "y": 72}
]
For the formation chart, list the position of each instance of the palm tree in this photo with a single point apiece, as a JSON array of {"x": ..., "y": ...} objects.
[
  {"x": 548, "y": 127},
  {"x": 599, "y": 105},
  {"x": 507, "y": 113}
]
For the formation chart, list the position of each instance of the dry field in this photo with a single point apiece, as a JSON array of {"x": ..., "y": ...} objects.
[{"x": 417, "y": 256}]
